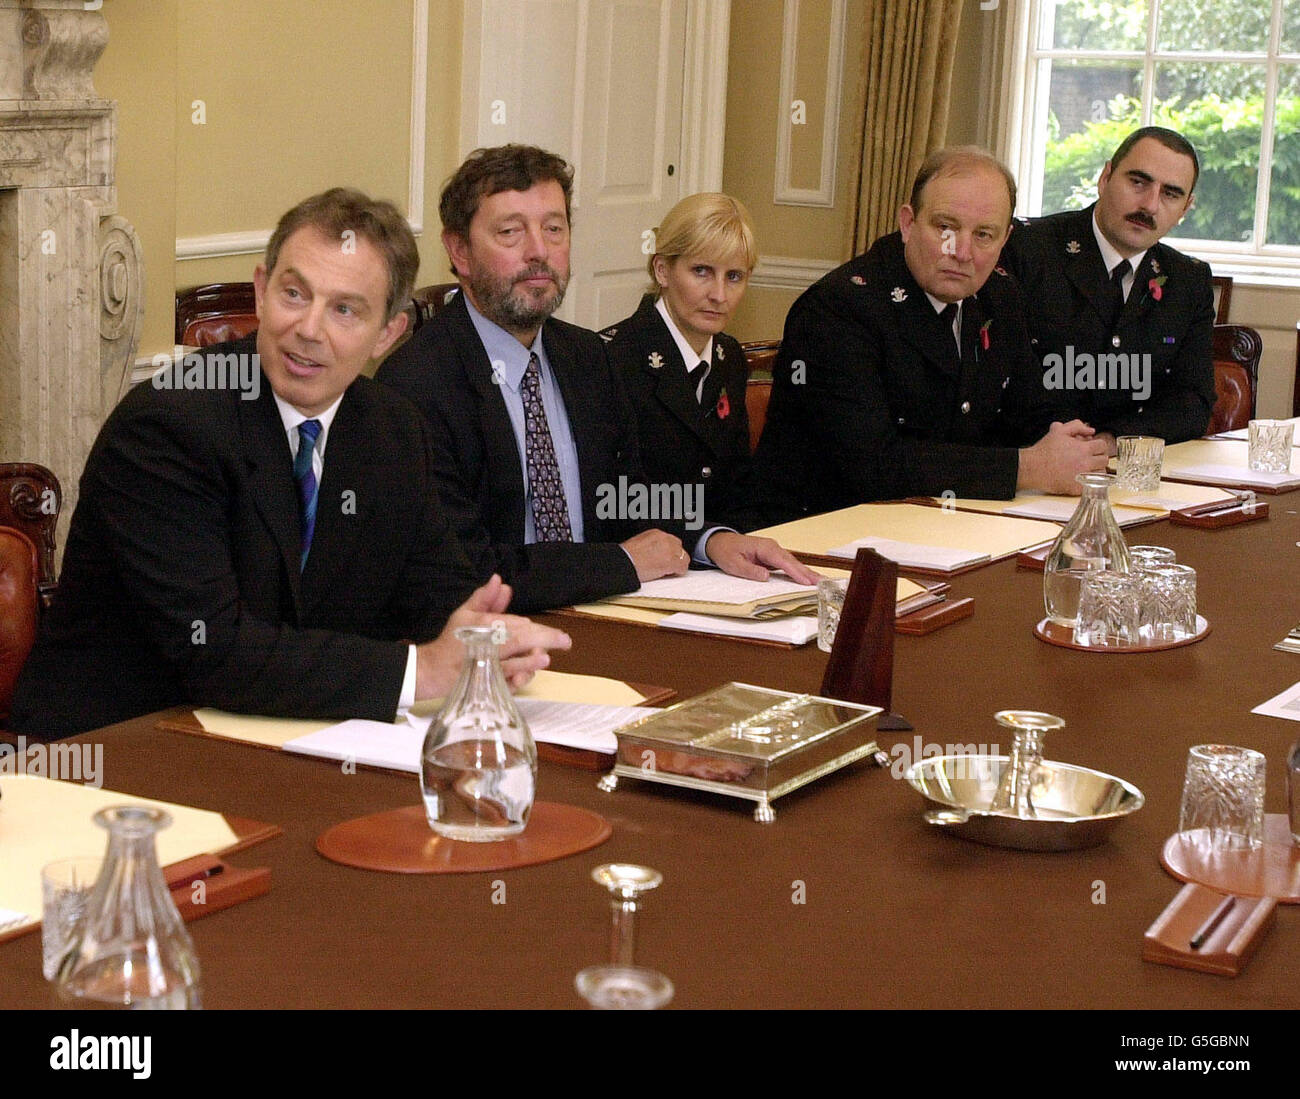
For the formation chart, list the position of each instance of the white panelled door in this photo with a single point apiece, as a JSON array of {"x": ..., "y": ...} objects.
[{"x": 599, "y": 82}]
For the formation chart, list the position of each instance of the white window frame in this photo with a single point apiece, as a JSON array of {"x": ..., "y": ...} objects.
[{"x": 1019, "y": 138}]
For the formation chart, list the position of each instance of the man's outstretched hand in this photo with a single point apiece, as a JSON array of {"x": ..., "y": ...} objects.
[{"x": 525, "y": 651}]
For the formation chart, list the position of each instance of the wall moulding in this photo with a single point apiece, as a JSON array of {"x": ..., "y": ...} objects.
[{"x": 785, "y": 192}]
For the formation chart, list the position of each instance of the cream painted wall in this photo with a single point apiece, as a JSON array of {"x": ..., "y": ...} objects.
[
  {"x": 298, "y": 95},
  {"x": 753, "y": 115},
  {"x": 138, "y": 70}
]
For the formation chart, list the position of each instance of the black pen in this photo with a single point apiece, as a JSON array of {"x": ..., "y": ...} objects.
[{"x": 1216, "y": 917}]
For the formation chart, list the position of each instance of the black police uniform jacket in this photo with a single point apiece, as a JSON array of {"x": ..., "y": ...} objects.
[
  {"x": 871, "y": 401},
  {"x": 684, "y": 440},
  {"x": 1168, "y": 315}
]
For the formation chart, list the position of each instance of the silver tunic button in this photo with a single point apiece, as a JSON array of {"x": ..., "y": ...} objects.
[
  {"x": 1114, "y": 341},
  {"x": 706, "y": 472},
  {"x": 965, "y": 406}
]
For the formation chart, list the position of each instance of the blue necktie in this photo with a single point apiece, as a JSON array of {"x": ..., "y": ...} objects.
[{"x": 305, "y": 475}]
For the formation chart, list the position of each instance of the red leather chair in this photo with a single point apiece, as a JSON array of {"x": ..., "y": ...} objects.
[
  {"x": 18, "y": 611},
  {"x": 760, "y": 357},
  {"x": 1236, "y": 353},
  {"x": 30, "y": 501},
  {"x": 215, "y": 313},
  {"x": 428, "y": 300},
  {"x": 224, "y": 311}
]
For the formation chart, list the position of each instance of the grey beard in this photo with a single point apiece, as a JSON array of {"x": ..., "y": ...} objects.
[{"x": 497, "y": 301}]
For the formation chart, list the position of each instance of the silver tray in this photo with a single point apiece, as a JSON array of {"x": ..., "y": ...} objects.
[
  {"x": 746, "y": 742},
  {"x": 1077, "y": 806}
]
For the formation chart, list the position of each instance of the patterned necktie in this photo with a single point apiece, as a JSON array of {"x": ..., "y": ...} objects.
[
  {"x": 550, "y": 510},
  {"x": 1117, "y": 290},
  {"x": 305, "y": 475},
  {"x": 949, "y": 317}
]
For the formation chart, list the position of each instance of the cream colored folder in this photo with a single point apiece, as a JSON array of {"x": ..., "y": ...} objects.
[
  {"x": 42, "y": 820},
  {"x": 1129, "y": 507},
  {"x": 275, "y": 732},
  {"x": 994, "y": 535},
  {"x": 1223, "y": 461}
]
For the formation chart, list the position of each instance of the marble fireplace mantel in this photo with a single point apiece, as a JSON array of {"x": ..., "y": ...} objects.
[{"x": 71, "y": 286}]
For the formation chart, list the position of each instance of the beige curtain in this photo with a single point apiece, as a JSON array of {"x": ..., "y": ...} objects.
[{"x": 908, "y": 74}]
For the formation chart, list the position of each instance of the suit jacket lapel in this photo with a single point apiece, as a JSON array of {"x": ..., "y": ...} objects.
[
  {"x": 584, "y": 414},
  {"x": 1140, "y": 299},
  {"x": 972, "y": 317},
  {"x": 502, "y": 456},
  {"x": 673, "y": 389},
  {"x": 921, "y": 327},
  {"x": 271, "y": 485},
  {"x": 1085, "y": 268}
]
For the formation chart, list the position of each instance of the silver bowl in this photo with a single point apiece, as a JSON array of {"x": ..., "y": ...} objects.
[{"x": 1076, "y": 806}]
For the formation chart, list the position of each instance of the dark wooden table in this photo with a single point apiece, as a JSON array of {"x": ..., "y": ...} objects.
[{"x": 891, "y": 913}]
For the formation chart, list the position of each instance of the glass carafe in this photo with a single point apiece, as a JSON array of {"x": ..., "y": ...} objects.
[
  {"x": 478, "y": 768},
  {"x": 1090, "y": 540},
  {"x": 132, "y": 949}
]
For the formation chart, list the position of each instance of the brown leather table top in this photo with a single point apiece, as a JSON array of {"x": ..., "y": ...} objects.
[{"x": 895, "y": 914}]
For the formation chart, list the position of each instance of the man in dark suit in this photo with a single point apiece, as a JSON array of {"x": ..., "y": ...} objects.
[
  {"x": 1122, "y": 323},
  {"x": 535, "y": 449},
  {"x": 908, "y": 371},
  {"x": 269, "y": 548}
]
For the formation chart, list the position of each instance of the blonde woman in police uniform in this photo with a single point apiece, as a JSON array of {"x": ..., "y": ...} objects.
[{"x": 684, "y": 375}]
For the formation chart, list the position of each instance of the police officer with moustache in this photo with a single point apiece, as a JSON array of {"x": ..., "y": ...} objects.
[{"x": 1099, "y": 282}]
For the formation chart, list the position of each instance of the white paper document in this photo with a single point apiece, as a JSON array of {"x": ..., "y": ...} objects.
[
  {"x": 1061, "y": 508},
  {"x": 397, "y": 746},
  {"x": 1244, "y": 432},
  {"x": 11, "y": 920},
  {"x": 795, "y": 630},
  {"x": 1235, "y": 475},
  {"x": 912, "y": 554},
  {"x": 1285, "y": 705},
  {"x": 715, "y": 586}
]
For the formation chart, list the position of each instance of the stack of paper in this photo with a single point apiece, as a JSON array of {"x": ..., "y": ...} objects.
[
  {"x": 792, "y": 630},
  {"x": 783, "y": 629},
  {"x": 1244, "y": 432},
  {"x": 1213, "y": 474},
  {"x": 1224, "y": 462},
  {"x": 912, "y": 555},
  {"x": 1059, "y": 509},
  {"x": 709, "y": 591}
]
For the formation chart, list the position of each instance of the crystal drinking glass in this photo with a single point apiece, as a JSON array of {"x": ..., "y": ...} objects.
[
  {"x": 1223, "y": 797},
  {"x": 1138, "y": 463}
]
